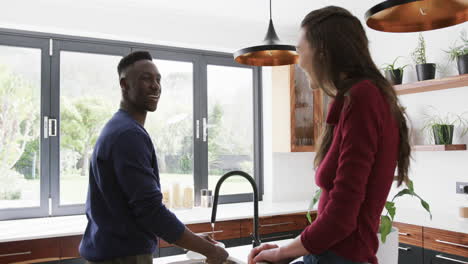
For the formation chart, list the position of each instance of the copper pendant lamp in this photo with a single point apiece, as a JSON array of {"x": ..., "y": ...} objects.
[
  {"x": 271, "y": 52},
  {"x": 416, "y": 15}
]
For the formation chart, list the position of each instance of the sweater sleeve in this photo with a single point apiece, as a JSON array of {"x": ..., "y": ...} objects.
[
  {"x": 358, "y": 147},
  {"x": 132, "y": 155}
]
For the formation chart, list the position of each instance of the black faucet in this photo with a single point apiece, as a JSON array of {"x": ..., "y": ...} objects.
[{"x": 255, "y": 236}]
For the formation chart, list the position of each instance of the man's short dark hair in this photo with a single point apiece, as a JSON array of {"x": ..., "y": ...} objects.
[{"x": 131, "y": 58}]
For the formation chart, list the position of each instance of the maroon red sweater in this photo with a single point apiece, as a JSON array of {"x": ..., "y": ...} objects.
[{"x": 355, "y": 176}]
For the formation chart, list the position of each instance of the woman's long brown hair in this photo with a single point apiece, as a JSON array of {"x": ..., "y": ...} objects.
[{"x": 340, "y": 47}]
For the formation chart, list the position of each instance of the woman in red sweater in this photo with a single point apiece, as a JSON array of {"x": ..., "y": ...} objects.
[{"x": 365, "y": 139}]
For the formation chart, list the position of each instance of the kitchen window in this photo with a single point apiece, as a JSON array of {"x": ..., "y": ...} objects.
[{"x": 57, "y": 92}]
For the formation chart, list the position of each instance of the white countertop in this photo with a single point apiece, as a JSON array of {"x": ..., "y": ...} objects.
[
  {"x": 239, "y": 254},
  {"x": 441, "y": 220},
  {"x": 25, "y": 229}
]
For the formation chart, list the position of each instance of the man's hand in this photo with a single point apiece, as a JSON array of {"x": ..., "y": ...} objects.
[
  {"x": 208, "y": 238},
  {"x": 204, "y": 245},
  {"x": 217, "y": 256}
]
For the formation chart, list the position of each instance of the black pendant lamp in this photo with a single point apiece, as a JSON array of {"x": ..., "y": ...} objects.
[
  {"x": 416, "y": 15},
  {"x": 269, "y": 53}
]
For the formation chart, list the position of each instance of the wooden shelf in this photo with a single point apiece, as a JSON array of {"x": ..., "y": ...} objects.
[
  {"x": 440, "y": 147},
  {"x": 297, "y": 148},
  {"x": 432, "y": 85}
]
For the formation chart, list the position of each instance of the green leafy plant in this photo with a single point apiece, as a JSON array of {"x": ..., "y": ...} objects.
[
  {"x": 386, "y": 221},
  {"x": 458, "y": 50},
  {"x": 433, "y": 118},
  {"x": 391, "y": 67},
  {"x": 419, "y": 53}
]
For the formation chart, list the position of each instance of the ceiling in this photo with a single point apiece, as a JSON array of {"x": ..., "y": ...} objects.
[{"x": 204, "y": 24}]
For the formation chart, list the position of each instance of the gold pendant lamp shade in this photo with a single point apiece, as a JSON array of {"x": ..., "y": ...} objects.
[
  {"x": 416, "y": 15},
  {"x": 269, "y": 53}
]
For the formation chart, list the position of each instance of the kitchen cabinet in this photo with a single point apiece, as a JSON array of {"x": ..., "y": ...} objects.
[
  {"x": 410, "y": 249},
  {"x": 410, "y": 254},
  {"x": 275, "y": 224},
  {"x": 446, "y": 241},
  {"x": 238, "y": 232},
  {"x": 33, "y": 251},
  {"x": 69, "y": 247},
  {"x": 410, "y": 234},
  {"x": 437, "y": 257},
  {"x": 307, "y": 111}
]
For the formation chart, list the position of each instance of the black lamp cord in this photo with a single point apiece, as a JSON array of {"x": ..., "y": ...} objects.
[{"x": 270, "y": 9}]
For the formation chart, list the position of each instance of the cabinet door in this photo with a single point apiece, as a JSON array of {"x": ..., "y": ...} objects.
[
  {"x": 308, "y": 111},
  {"x": 409, "y": 254},
  {"x": 275, "y": 224},
  {"x": 410, "y": 234},
  {"x": 37, "y": 250},
  {"x": 279, "y": 236},
  {"x": 449, "y": 242},
  {"x": 437, "y": 257}
]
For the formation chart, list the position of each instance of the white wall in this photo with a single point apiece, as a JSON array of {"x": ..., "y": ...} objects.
[
  {"x": 267, "y": 134},
  {"x": 434, "y": 173}
]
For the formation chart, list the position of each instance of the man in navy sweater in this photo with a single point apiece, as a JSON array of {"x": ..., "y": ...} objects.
[{"x": 124, "y": 204}]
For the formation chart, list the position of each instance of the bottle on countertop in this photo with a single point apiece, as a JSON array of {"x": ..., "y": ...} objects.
[
  {"x": 166, "y": 197},
  {"x": 176, "y": 196},
  {"x": 188, "y": 199},
  {"x": 206, "y": 198}
]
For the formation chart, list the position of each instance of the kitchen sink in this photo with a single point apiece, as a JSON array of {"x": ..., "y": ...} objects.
[{"x": 230, "y": 260}]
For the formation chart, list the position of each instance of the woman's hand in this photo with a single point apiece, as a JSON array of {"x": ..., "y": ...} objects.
[
  {"x": 257, "y": 250},
  {"x": 266, "y": 253}
]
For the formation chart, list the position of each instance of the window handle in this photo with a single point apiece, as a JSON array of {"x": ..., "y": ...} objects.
[
  {"x": 197, "y": 130},
  {"x": 205, "y": 129},
  {"x": 46, "y": 126},
  {"x": 52, "y": 127}
]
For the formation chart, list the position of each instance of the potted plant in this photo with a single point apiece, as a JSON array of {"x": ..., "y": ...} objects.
[
  {"x": 424, "y": 70},
  {"x": 460, "y": 53},
  {"x": 394, "y": 75},
  {"x": 441, "y": 127},
  {"x": 388, "y": 235}
]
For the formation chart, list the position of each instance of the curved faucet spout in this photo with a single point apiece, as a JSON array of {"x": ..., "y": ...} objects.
[{"x": 256, "y": 238}]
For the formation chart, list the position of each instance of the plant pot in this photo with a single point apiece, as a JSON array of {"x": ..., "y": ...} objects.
[
  {"x": 443, "y": 134},
  {"x": 388, "y": 251},
  {"x": 425, "y": 71},
  {"x": 462, "y": 63},
  {"x": 394, "y": 76}
]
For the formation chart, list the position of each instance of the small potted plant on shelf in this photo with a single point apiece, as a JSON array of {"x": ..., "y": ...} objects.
[
  {"x": 460, "y": 53},
  {"x": 393, "y": 74},
  {"x": 424, "y": 70},
  {"x": 441, "y": 127},
  {"x": 388, "y": 235}
]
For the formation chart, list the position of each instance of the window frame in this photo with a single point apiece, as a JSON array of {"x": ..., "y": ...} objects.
[
  {"x": 43, "y": 208},
  {"x": 52, "y": 44}
]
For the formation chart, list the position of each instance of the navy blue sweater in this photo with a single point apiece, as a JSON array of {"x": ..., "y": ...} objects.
[{"x": 124, "y": 204}]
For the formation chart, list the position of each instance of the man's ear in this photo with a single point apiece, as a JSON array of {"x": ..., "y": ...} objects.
[{"x": 124, "y": 85}]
